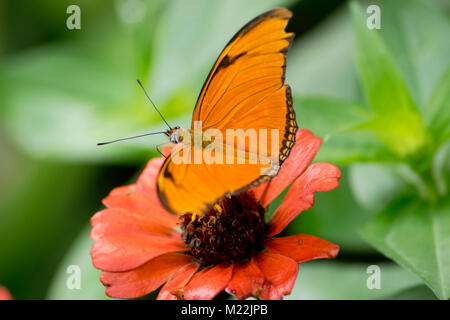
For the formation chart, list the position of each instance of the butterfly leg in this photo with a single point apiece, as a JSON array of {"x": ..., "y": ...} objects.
[{"x": 159, "y": 151}]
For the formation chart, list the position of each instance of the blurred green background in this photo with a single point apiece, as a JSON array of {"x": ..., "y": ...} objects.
[{"x": 378, "y": 98}]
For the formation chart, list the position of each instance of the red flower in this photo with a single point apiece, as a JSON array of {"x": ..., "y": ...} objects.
[
  {"x": 4, "y": 294},
  {"x": 140, "y": 246}
]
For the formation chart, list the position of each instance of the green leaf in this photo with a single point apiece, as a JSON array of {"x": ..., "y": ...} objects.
[
  {"x": 419, "y": 292},
  {"x": 354, "y": 146},
  {"x": 64, "y": 119},
  {"x": 42, "y": 206},
  {"x": 325, "y": 280},
  {"x": 327, "y": 116},
  {"x": 90, "y": 285},
  {"x": 416, "y": 236},
  {"x": 374, "y": 186},
  {"x": 437, "y": 113},
  {"x": 416, "y": 33},
  {"x": 321, "y": 61},
  {"x": 397, "y": 120},
  {"x": 441, "y": 169},
  {"x": 336, "y": 121},
  {"x": 57, "y": 126}
]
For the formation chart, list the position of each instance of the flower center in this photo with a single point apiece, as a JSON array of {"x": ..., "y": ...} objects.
[{"x": 231, "y": 231}]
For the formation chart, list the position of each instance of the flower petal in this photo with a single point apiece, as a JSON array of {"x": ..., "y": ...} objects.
[
  {"x": 207, "y": 283},
  {"x": 4, "y": 294},
  {"x": 110, "y": 221},
  {"x": 303, "y": 152},
  {"x": 247, "y": 280},
  {"x": 168, "y": 149},
  {"x": 173, "y": 289},
  {"x": 147, "y": 181},
  {"x": 145, "y": 279},
  {"x": 302, "y": 247},
  {"x": 319, "y": 177},
  {"x": 280, "y": 273},
  {"x": 119, "y": 252},
  {"x": 130, "y": 198}
]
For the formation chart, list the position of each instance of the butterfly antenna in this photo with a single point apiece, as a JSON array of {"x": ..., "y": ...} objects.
[
  {"x": 153, "y": 104},
  {"x": 141, "y": 135}
]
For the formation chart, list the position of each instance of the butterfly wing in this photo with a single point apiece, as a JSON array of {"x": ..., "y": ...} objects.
[
  {"x": 194, "y": 187},
  {"x": 244, "y": 90}
]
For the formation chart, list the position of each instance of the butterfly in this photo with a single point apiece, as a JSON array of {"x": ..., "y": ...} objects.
[
  {"x": 245, "y": 89},
  {"x": 245, "y": 93}
]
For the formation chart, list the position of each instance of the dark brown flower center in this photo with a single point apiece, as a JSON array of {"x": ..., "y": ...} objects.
[{"x": 231, "y": 231}]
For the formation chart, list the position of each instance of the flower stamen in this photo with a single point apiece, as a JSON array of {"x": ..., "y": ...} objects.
[{"x": 231, "y": 231}]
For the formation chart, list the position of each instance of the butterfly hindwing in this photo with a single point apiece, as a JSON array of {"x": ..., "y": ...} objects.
[{"x": 221, "y": 178}]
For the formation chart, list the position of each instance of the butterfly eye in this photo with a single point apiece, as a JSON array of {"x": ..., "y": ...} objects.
[{"x": 174, "y": 138}]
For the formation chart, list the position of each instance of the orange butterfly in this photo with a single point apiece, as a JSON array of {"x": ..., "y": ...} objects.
[
  {"x": 243, "y": 98},
  {"x": 244, "y": 90}
]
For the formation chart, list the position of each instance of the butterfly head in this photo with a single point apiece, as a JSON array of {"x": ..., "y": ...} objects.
[{"x": 176, "y": 134}]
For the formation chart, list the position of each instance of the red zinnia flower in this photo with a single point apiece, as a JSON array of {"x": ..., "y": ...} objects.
[
  {"x": 140, "y": 246},
  {"x": 4, "y": 294}
]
